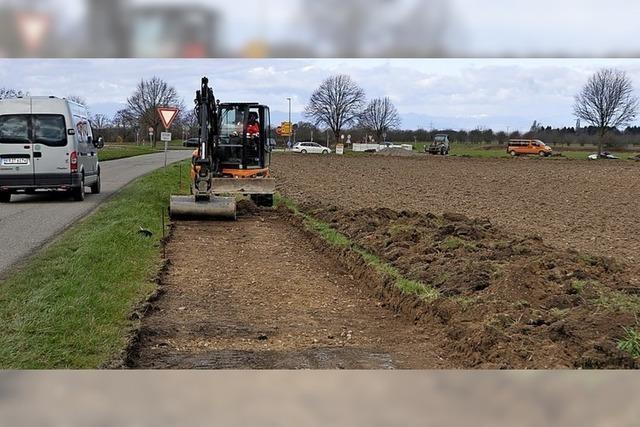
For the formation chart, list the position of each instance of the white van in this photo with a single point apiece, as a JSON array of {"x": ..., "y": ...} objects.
[{"x": 46, "y": 143}]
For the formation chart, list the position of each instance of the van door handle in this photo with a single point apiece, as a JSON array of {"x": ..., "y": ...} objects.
[{"x": 37, "y": 154}]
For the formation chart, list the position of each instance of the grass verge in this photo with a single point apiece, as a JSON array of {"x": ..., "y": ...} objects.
[
  {"x": 69, "y": 306},
  {"x": 337, "y": 239},
  {"x": 121, "y": 151},
  {"x": 630, "y": 343}
]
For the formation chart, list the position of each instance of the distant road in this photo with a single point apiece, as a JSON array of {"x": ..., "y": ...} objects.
[{"x": 30, "y": 221}]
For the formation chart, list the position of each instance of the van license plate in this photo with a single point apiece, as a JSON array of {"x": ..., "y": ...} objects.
[{"x": 15, "y": 161}]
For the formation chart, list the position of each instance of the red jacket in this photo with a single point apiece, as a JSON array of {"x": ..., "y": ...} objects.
[{"x": 253, "y": 129}]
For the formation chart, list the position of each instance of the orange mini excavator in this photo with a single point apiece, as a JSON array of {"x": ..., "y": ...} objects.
[{"x": 232, "y": 158}]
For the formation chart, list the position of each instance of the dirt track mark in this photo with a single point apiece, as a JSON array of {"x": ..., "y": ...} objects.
[{"x": 255, "y": 294}]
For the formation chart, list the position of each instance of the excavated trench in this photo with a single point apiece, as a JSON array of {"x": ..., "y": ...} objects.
[{"x": 268, "y": 292}]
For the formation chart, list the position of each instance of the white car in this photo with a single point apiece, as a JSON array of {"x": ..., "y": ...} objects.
[
  {"x": 310, "y": 147},
  {"x": 603, "y": 155}
]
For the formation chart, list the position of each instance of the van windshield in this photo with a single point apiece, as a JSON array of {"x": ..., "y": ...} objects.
[
  {"x": 50, "y": 129},
  {"x": 14, "y": 128}
]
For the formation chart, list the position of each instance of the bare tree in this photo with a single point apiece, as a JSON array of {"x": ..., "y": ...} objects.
[
  {"x": 606, "y": 102},
  {"x": 77, "y": 99},
  {"x": 380, "y": 116},
  {"x": 148, "y": 96},
  {"x": 11, "y": 93},
  {"x": 336, "y": 103},
  {"x": 100, "y": 122}
]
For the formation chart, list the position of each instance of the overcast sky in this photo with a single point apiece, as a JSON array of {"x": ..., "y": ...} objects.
[{"x": 443, "y": 93}]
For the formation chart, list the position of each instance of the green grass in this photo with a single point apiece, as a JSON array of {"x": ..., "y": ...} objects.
[
  {"x": 620, "y": 301},
  {"x": 630, "y": 343},
  {"x": 451, "y": 243},
  {"x": 332, "y": 236},
  {"x": 113, "y": 151},
  {"x": 337, "y": 239},
  {"x": 608, "y": 298},
  {"x": 68, "y": 307},
  {"x": 121, "y": 151},
  {"x": 397, "y": 229},
  {"x": 579, "y": 285}
]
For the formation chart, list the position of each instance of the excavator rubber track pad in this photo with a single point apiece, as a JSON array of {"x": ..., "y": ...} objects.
[
  {"x": 186, "y": 207},
  {"x": 244, "y": 185}
]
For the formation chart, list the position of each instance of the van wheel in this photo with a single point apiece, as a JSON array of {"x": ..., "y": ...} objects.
[
  {"x": 542, "y": 154},
  {"x": 5, "y": 197},
  {"x": 303, "y": 152},
  {"x": 95, "y": 187},
  {"x": 78, "y": 192},
  {"x": 513, "y": 153}
]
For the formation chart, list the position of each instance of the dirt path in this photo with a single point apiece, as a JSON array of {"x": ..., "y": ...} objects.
[{"x": 255, "y": 294}]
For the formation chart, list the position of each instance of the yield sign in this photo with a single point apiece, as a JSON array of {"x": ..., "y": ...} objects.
[{"x": 167, "y": 114}]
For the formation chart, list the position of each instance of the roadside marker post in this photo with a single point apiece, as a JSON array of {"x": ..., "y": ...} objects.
[{"x": 167, "y": 115}]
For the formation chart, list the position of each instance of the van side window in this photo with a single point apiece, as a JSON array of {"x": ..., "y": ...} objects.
[
  {"x": 14, "y": 128},
  {"x": 82, "y": 129},
  {"x": 50, "y": 129}
]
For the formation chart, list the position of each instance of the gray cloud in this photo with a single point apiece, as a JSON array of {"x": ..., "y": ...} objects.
[{"x": 459, "y": 93}]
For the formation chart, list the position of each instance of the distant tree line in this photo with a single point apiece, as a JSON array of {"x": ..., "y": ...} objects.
[
  {"x": 566, "y": 136},
  {"x": 339, "y": 107}
]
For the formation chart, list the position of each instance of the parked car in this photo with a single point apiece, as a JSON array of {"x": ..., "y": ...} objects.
[
  {"x": 311, "y": 148},
  {"x": 47, "y": 143},
  {"x": 440, "y": 145},
  {"x": 603, "y": 155},
  {"x": 191, "y": 142},
  {"x": 519, "y": 147}
]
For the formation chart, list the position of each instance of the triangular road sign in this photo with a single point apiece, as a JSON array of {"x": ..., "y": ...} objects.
[{"x": 167, "y": 114}]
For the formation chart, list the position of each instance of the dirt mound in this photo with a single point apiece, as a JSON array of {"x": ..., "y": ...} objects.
[
  {"x": 505, "y": 301},
  {"x": 574, "y": 210},
  {"x": 396, "y": 152},
  {"x": 246, "y": 207}
]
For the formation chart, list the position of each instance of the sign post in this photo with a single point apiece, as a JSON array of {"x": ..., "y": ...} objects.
[{"x": 167, "y": 115}]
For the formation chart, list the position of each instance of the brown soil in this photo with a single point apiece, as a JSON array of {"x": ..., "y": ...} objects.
[
  {"x": 257, "y": 293},
  {"x": 523, "y": 271},
  {"x": 585, "y": 205},
  {"x": 397, "y": 152},
  {"x": 506, "y": 302}
]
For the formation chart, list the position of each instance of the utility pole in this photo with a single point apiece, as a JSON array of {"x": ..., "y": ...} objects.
[{"x": 290, "y": 126}]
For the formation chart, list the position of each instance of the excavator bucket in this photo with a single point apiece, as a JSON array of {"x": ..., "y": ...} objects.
[{"x": 186, "y": 207}]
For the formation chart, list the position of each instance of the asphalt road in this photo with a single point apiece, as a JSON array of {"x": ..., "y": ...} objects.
[{"x": 30, "y": 221}]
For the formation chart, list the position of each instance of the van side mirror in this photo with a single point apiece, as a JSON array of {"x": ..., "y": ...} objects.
[{"x": 99, "y": 143}]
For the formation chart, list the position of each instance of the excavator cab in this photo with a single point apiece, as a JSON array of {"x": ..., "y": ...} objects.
[
  {"x": 243, "y": 152},
  {"x": 243, "y": 148}
]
